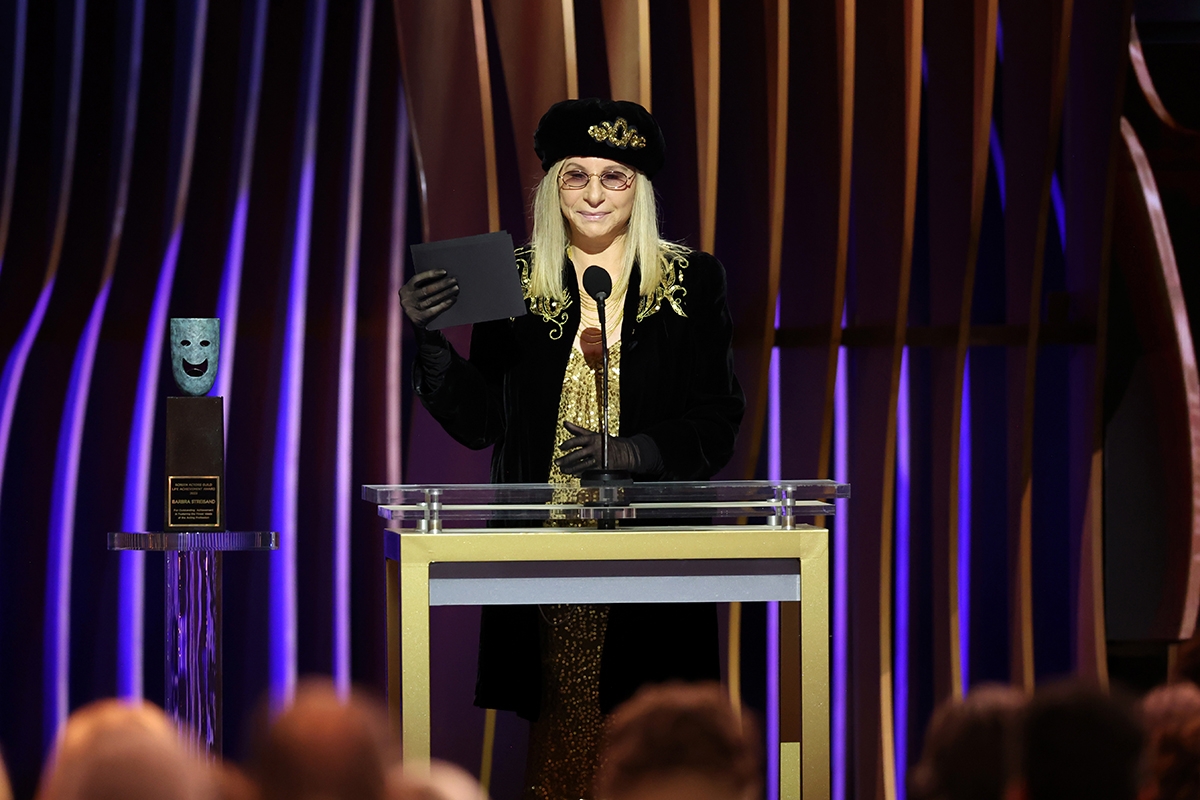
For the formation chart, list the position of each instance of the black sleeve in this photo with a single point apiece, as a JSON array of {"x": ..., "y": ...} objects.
[
  {"x": 700, "y": 441},
  {"x": 466, "y": 396}
]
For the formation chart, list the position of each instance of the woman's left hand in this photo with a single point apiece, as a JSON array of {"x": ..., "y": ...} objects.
[{"x": 588, "y": 452}]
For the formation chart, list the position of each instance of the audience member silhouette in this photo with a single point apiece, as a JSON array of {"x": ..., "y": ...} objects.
[
  {"x": 324, "y": 747},
  {"x": 970, "y": 747},
  {"x": 679, "y": 742},
  {"x": 1078, "y": 742},
  {"x": 1172, "y": 718},
  {"x": 233, "y": 784},
  {"x": 5, "y": 786},
  {"x": 672, "y": 742},
  {"x": 118, "y": 750}
]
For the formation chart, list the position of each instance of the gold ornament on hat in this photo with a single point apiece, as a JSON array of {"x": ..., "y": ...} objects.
[{"x": 618, "y": 133}]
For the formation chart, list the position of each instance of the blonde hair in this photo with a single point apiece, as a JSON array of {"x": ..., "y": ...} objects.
[{"x": 552, "y": 234}]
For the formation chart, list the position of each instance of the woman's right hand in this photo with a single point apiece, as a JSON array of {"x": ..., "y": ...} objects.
[{"x": 428, "y": 294}]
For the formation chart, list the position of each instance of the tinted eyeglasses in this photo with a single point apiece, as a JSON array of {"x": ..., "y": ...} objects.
[{"x": 614, "y": 180}]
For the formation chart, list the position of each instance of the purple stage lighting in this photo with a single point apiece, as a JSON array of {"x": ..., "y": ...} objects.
[
  {"x": 345, "y": 413},
  {"x": 903, "y": 553},
  {"x": 286, "y": 472},
  {"x": 132, "y": 592},
  {"x": 841, "y": 575},
  {"x": 775, "y": 473},
  {"x": 964, "y": 528}
]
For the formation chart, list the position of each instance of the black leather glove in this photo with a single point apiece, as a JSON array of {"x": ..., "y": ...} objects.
[
  {"x": 426, "y": 295},
  {"x": 585, "y": 450},
  {"x": 434, "y": 357}
]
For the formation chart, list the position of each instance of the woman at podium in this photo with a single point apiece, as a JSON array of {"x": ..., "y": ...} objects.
[{"x": 529, "y": 388}]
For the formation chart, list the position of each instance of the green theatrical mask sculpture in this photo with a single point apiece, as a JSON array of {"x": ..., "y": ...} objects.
[{"x": 195, "y": 353}]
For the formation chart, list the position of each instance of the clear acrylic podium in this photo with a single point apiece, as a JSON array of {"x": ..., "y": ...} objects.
[
  {"x": 192, "y": 596},
  {"x": 484, "y": 544}
]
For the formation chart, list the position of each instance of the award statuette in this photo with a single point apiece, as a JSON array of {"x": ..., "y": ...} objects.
[
  {"x": 195, "y": 539},
  {"x": 195, "y": 430},
  {"x": 195, "y": 503}
]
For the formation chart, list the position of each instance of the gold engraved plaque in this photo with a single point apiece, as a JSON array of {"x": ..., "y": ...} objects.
[{"x": 194, "y": 502}]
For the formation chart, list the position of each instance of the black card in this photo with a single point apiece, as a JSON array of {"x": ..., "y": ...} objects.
[{"x": 488, "y": 284}]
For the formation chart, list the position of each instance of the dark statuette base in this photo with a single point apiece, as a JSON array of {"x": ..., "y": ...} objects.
[{"x": 195, "y": 482}]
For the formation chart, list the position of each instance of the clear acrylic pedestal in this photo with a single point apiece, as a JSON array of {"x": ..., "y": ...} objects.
[{"x": 192, "y": 596}]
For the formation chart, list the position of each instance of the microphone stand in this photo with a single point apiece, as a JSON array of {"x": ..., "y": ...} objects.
[
  {"x": 604, "y": 476},
  {"x": 601, "y": 300}
]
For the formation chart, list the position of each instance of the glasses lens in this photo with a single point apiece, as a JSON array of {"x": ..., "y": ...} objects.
[
  {"x": 574, "y": 179},
  {"x": 615, "y": 180}
]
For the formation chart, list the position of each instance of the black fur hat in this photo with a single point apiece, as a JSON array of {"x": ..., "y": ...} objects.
[{"x": 616, "y": 129}]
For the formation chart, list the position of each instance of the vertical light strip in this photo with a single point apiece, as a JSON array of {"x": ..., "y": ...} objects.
[
  {"x": 903, "y": 575},
  {"x": 132, "y": 591},
  {"x": 286, "y": 472},
  {"x": 774, "y": 473},
  {"x": 57, "y": 637},
  {"x": 55, "y": 694},
  {"x": 70, "y": 436},
  {"x": 705, "y": 21},
  {"x": 998, "y": 160},
  {"x": 841, "y": 574},
  {"x": 14, "y": 365},
  {"x": 964, "y": 528},
  {"x": 394, "y": 381},
  {"x": 343, "y": 490},
  {"x": 14, "y": 124},
  {"x": 772, "y": 699},
  {"x": 479, "y": 28},
  {"x": 231, "y": 276},
  {"x": 569, "y": 49},
  {"x": 1060, "y": 211},
  {"x": 774, "y": 446},
  {"x": 14, "y": 371},
  {"x": 643, "y": 45}
]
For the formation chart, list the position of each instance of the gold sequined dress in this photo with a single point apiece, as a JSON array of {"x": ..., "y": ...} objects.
[{"x": 564, "y": 741}]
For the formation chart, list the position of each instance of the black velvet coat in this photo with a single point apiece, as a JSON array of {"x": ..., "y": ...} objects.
[{"x": 677, "y": 386}]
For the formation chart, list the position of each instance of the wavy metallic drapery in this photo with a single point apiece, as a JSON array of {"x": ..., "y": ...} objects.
[{"x": 879, "y": 177}]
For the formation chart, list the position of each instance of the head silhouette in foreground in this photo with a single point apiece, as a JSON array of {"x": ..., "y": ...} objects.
[
  {"x": 113, "y": 749},
  {"x": 1172, "y": 717},
  {"x": 680, "y": 741},
  {"x": 1078, "y": 742},
  {"x": 970, "y": 747},
  {"x": 324, "y": 747}
]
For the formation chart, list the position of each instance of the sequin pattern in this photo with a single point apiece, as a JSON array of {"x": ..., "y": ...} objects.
[
  {"x": 580, "y": 402},
  {"x": 564, "y": 742}
]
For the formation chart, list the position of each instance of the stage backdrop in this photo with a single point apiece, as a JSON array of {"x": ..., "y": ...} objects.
[{"x": 951, "y": 273}]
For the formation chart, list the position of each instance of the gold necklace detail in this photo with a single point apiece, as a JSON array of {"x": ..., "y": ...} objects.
[
  {"x": 589, "y": 314},
  {"x": 614, "y": 314}
]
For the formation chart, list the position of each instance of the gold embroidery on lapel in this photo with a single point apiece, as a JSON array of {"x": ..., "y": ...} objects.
[
  {"x": 548, "y": 308},
  {"x": 672, "y": 261}
]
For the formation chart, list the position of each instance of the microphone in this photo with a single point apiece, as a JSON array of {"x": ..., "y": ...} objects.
[{"x": 598, "y": 284}]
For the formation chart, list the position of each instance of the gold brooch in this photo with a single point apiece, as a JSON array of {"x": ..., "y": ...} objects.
[{"x": 618, "y": 133}]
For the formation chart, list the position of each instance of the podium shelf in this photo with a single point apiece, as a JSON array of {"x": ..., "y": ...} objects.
[
  {"x": 648, "y": 493},
  {"x": 696, "y": 504}
]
